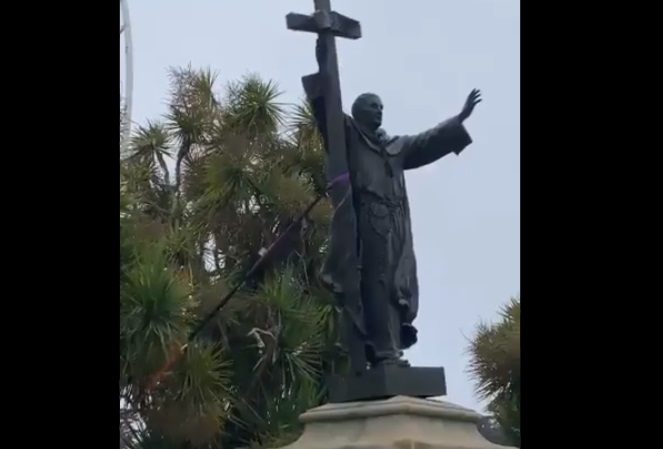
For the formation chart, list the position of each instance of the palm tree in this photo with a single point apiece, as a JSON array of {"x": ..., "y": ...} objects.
[
  {"x": 495, "y": 366},
  {"x": 244, "y": 166}
]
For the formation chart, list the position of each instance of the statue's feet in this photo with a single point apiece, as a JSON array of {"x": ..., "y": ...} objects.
[{"x": 402, "y": 363}]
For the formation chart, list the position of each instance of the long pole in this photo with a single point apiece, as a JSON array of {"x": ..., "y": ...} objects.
[{"x": 129, "y": 70}]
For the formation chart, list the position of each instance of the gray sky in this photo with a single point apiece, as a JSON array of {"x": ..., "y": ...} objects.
[{"x": 422, "y": 57}]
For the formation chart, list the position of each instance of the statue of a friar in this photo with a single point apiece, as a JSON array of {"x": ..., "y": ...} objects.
[{"x": 371, "y": 253}]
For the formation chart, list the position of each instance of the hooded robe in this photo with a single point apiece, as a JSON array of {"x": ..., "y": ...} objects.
[{"x": 371, "y": 265}]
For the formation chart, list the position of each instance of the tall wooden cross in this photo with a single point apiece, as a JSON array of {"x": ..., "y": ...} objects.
[{"x": 329, "y": 25}]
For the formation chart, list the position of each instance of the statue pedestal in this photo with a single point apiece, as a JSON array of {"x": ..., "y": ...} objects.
[
  {"x": 386, "y": 382},
  {"x": 397, "y": 423}
]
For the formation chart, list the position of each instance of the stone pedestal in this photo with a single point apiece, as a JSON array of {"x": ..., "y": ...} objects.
[{"x": 397, "y": 423}]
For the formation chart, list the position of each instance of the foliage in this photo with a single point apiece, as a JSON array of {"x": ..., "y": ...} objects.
[
  {"x": 495, "y": 365},
  {"x": 202, "y": 191}
]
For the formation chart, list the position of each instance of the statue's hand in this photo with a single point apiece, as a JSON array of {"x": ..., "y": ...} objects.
[{"x": 473, "y": 99}]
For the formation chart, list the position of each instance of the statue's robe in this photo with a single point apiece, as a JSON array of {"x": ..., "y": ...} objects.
[{"x": 371, "y": 238}]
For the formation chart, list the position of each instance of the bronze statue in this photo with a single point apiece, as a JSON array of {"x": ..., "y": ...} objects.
[
  {"x": 376, "y": 165},
  {"x": 371, "y": 265}
]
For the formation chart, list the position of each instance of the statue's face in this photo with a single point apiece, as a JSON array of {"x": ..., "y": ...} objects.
[{"x": 367, "y": 110}]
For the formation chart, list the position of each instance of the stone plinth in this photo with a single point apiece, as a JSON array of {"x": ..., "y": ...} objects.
[{"x": 397, "y": 423}]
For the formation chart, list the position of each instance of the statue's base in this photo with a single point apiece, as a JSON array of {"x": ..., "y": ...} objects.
[
  {"x": 395, "y": 423},
  {"x": 386, "y": 382}
]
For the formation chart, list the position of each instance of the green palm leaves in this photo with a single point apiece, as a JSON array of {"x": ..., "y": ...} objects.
[
  {"x": 495, "y": 365},
  {"x": 201, "y": 192}
]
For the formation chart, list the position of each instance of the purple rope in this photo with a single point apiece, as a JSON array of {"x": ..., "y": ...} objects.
[{"x": 342, "y": 178}]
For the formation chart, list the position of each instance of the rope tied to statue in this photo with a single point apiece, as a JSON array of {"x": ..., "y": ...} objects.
[{"x": 177, "y": 350}]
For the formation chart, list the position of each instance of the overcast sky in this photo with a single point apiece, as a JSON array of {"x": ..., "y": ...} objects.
[{"x": 423, "y": 57}]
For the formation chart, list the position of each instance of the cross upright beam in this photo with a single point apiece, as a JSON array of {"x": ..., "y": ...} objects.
[{"x": 328, "y": 25}]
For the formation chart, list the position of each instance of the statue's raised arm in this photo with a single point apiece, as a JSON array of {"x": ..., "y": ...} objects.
[{"x": 448, "y": 137}]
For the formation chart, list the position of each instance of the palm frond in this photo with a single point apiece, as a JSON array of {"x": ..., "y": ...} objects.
[
  {"x": 240, "y": 178},
  {"x": 151, "y": 143},
  {"x": 252, "y": 106},
  {"x": 495, "y": 366},
  {"x": 154, "y": 312},
  {"x": 303, "y": 125},
  {"x": 197, "y": 399}
]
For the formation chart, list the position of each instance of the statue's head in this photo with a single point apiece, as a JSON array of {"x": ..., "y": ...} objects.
[{"x": 367, "y": 111}]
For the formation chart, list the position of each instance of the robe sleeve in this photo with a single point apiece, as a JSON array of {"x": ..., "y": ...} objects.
[
  {"x": 422, "y": 149},
  {"x": 313, "y": 89}
]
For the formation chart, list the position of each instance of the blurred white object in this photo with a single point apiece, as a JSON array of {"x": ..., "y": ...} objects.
[{"x": 126, "y": 88}]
